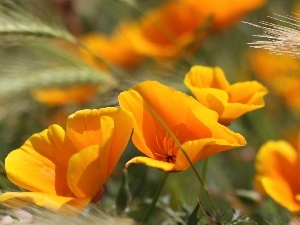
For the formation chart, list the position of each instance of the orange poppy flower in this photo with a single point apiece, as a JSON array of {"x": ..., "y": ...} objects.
[
  {"x": 194, "y": 125},
  {"x": 223, "y": 12},
  {"x": 211, "y": 88},
  {"x": 66, "y": 170},
  {"x": 280, "y": 73},
  {"x": 61, "y": 96},
  {"x": 277, "y": 172},
  {"x": 165, "y": 31},
  {"x": 115, "y": 49}
]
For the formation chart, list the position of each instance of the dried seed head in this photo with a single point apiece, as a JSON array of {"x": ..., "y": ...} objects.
[{"x": 280, "y": 39}]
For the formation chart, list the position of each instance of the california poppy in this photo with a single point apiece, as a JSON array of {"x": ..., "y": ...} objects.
[
  {"x": 280, "y": 73},
  {"x": 210, "y": 87},
  {"x": 165, "y": 31},
  {"x": 223, "y": 13},
  {"x": 194, "y": 126},
  {"x": 55, "y": 96},
  {"x": 66, "y": 170},
  {"x": 115, "y": 49},
  {"x": 277, "y": 171}
]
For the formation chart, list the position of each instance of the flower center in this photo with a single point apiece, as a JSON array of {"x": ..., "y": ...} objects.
[{"x": 166, "y": 148}]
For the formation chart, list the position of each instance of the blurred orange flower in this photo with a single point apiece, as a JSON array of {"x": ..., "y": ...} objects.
[
  {"x": 61, "y": 96},
  {"x": 210, "y": 87},
  {"x": 194, "y": 125},
  {"x": 280, "y": 72},
  {"x": 277, "y": 172},
  {"x": 223, "y": 13},
  {"x": 165, "y": 31},
  {"x": 115, "y": 49},
  {"x": 66, "y": 170}
]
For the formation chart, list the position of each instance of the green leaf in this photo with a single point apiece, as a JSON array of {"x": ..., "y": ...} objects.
[{"x": 193, "y": 218}]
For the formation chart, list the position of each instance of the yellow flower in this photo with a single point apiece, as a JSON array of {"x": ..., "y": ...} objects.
[
  {"x": 66, "y": 170},
  {"x": 277, "y": 173},
  {"x": 194, "y": 125},
  {"x": 211, "y": 88},
  {"x": 61, "y": 96}
]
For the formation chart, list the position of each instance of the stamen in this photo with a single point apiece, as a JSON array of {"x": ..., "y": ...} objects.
[{"x": 167, "y": 148}]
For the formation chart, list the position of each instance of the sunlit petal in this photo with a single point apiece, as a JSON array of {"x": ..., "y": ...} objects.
[
  {"x": 40, "y": 157},
  {"x": 88, "y": 168}
]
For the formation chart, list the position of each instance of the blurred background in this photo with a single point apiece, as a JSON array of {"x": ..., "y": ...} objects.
[{"x": 59, "y": 56}]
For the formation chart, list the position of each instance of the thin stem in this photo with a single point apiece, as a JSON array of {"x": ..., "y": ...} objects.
[
  {"x": 200, "y": 180},
  {"x": 203, "y": 174},
  {"x": 157, "y": 117},
  {"x": 155, "y": 198}
]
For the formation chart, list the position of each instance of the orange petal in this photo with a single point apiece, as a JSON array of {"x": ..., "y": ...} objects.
[
  {"x": 58, "y": 204},
  {"x": 164, "y": 166},
  {"x": 277, "y": 165},
  {"x": 203, "y": 148},
  {"x": 84, "y": 128},
  {"x": 88, "y": 168},
  {"x": 165, "y": 31},
  {"x": 66, "y": 95},
  {"x": 39, "y": 165}
]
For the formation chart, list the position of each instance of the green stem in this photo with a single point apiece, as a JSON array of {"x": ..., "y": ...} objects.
[
  {"x": 155, "y": 198},
  {"x": 200, "y": 180},
  {"x": 203, "y": 174}
]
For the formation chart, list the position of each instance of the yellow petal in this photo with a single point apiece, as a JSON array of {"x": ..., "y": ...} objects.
[
  {"x": 123, "y": 125},
  {"x": 250, "y": 93},
  {"x": 40, "y": 164},
  {"x": 164, "y": 166},
  {"x": 203, "y": 77},
  {"x": 58, "y": 204},
  {"x": 281, "y": 193},
  {"x": 88, "y": 168},
  {"x": 277, "y": 165},
  {"x": 84, "y": 128},
  {"x": 208, "y": 86}
]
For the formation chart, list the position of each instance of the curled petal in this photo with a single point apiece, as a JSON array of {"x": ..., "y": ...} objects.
[
  {"x": 249, "y": 92},
  {"x": 164, "y": 166},
  {"x": 203, "y": 148}
]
